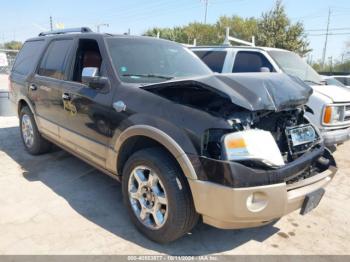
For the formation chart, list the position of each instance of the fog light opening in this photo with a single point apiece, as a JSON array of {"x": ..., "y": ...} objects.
[{"x": 257, "y": 201}]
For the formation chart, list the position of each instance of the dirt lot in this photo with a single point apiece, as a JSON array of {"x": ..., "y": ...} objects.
[{"x": 56, "y": 204}]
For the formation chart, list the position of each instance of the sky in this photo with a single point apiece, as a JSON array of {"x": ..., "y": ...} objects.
[{"x": 20, "y": 20}]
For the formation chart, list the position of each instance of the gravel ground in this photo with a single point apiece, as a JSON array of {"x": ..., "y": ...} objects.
[{"x": 57, "y": 204}]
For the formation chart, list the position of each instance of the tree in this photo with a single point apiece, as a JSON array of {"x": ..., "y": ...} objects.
[
  {"x": 13, "y": 45},
  {"x": 276, "y": 30},
  {"x": 272, "y": 29},
  {"x": 205, "y": 34},
  {"x": 176, "y": 34},
  {"x": 242, "y": 28}
]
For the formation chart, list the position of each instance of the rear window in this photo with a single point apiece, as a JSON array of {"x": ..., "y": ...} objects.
[
  {"x": 249, "y": 62},
  {"x": 28, "y": 57},
  {"x": 55, "y": 59},
  {"x": 214, "y": 59}
]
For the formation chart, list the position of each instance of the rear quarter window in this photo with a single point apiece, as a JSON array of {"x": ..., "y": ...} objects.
[
  {"x": 214, "y": 59},
  {"x": 28, "y": 57}
]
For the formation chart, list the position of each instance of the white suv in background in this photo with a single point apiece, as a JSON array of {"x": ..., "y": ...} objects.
[
  {"x": 330, "y": 105},
  {"x": 345, "y": 80}
]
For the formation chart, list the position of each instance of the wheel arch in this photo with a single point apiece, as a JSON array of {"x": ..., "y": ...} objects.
[
  {"x": 22, "y": 101},
  {"x": 142, "y": 136}
]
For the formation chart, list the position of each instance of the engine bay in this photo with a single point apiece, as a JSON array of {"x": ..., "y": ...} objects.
[{"x": 291, "y": 131}]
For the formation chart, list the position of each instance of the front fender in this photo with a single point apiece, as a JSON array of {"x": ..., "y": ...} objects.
[{"x": 177, "y": 141}]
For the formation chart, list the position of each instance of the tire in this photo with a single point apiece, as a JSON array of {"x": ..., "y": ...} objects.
[
  {"x": 36, "y": 144},
  {"x": 179, "y": 215}
]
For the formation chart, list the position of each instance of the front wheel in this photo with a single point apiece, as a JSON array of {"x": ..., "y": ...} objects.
[{"x": 157, "y": 196}]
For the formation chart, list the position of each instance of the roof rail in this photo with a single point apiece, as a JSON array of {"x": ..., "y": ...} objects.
[
  {"x": 229, "y": 38},
  {"x": 66, "y": 31}
]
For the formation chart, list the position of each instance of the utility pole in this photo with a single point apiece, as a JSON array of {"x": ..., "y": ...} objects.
[
  {"x": 206, "y": 2},
  {"x": 51, "y": 27},
  {"x": 326, "y": 40}
]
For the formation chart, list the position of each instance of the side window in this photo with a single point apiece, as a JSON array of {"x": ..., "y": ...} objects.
[
  {"x": 248, "y": 61},
  {"x": 344, "y": 80},
  {"x": 87, "y": 55},
  {"x": 214, "y": 59},
  {"x": 28, "y": 57},
  {"x": 55, "y": 59}
]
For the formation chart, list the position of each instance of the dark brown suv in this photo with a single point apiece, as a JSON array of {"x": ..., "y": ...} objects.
[{"x": 186, "y": 143}]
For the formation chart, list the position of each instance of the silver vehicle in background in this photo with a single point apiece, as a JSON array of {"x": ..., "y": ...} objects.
[{"x": 329, "y": 105}]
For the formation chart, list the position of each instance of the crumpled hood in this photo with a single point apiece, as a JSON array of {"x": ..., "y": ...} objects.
[
  {"x": 336, "y": 93},
  {"x": 253, "y": 91}
]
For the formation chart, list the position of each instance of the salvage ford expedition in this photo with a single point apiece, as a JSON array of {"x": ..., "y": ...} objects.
[{"x": 185, "y": 143}]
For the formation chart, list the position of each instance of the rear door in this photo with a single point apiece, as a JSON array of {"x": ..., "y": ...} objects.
[
  {"x": 24, "y": 68},
  {"x": 46, "y": 86}
]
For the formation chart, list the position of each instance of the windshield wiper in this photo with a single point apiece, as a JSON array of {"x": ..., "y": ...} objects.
[
  {"x": 314, "y": 82},
  {"x": 149, "y": 76}
]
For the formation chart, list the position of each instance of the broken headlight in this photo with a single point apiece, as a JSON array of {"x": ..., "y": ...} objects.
[
  {"x": 252, "y": 145},
  {"x": 301, "y": 138}
]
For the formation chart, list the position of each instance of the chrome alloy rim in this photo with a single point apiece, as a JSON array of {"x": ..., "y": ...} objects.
[
  {"x": 147, "y": 197},
  {"x": 27, "y": 131}
]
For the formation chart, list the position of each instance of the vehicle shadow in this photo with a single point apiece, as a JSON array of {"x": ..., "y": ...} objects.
[{"x": 98, "y": 198}]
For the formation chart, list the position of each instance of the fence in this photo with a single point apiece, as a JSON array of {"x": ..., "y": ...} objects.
[{"x": 8, "y": 59}]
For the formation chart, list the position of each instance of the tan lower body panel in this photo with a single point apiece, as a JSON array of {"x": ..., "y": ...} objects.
[
  {"x": 47, "y": 127},
  {"x": 230, "y": 208},
  {"x": 92, "y": 151}
]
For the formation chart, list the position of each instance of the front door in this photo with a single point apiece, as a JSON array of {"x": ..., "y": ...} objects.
[{"x": 88, "y": 109}]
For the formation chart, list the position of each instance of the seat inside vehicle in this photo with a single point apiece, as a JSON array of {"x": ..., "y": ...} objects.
[{"x": 88, "y": 55}]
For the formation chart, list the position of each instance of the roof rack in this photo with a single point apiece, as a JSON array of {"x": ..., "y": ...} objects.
[
  {"x": 66, "y": 31},
  {"x": 229, "y": 38}
]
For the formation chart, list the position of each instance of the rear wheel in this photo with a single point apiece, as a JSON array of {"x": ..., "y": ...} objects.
[
  {"x": 33, "y": 142},
  {"x": 157, "y": 196}
]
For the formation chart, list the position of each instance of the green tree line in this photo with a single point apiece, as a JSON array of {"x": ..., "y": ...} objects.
[
  {"x": 12, "y": 45},
  {"x": 273, "y": 29}
]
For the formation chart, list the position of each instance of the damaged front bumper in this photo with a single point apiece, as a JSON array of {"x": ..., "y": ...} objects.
[{"x": 268, "y": 196}]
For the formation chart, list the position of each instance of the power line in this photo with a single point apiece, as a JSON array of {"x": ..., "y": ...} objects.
[
  {"x": 331, "y": 29},
  {"x": 325, "y": 34}
]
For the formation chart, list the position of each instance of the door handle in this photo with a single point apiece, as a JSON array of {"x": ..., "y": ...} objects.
[
  {"x": 33, "y": 87},
  {"x": 66, "y": 97}
]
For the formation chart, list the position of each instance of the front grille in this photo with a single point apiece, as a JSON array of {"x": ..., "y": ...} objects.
[{"x": 347, "y": 113}]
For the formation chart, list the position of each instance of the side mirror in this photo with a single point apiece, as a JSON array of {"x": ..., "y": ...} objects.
[
  {"x": 90, "y": 77},
  {"x": 264, "y": 69}
]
